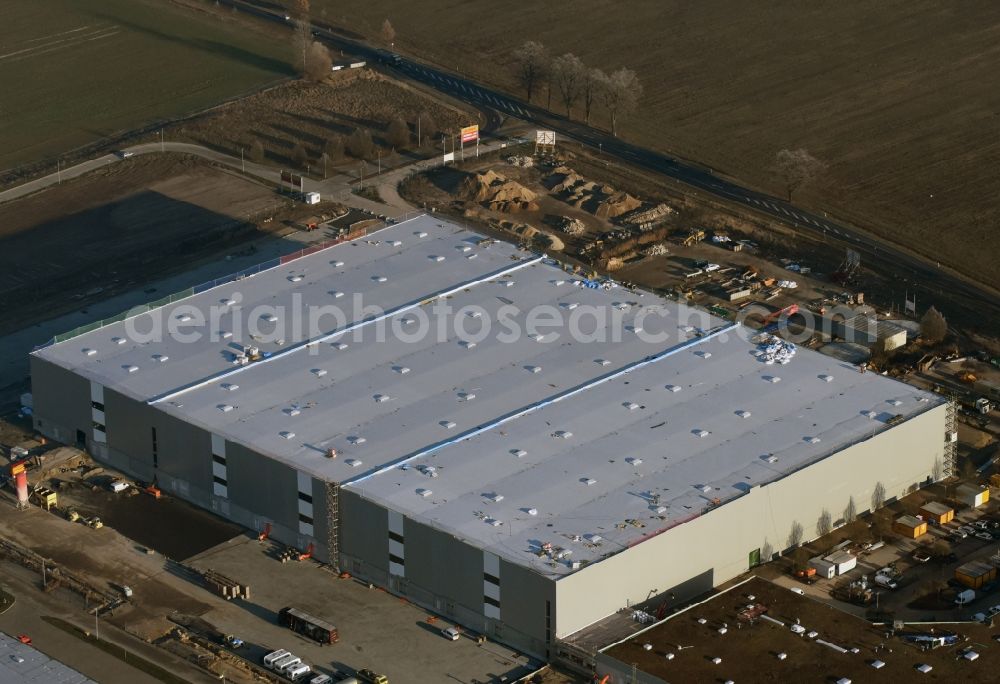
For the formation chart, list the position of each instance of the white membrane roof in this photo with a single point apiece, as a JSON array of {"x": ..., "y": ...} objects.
[{"x": 649, "y": 413}]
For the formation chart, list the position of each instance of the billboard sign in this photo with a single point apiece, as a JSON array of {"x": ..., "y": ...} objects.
[
  {"x": 545, "y": 137},
  {"x": 470, "y": 133},
  {"x": 286, "y": 177}
]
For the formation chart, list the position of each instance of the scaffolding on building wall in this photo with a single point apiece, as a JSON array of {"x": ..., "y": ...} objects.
[
  {"x": 950, "y": 443},
  {"x": 333, "y": 523}
]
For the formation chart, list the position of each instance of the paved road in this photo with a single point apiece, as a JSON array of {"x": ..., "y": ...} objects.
[{"x": 915, "y": 273}]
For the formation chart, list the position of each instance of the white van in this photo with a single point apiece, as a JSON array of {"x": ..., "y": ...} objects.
[
  {"x": 298, "y": 672},
  {"x": 289, "y": 665},
  {"x": 287, "y": 659},
  {"x": 321, "y": 679},
  {"x": 271, "y": 657}
]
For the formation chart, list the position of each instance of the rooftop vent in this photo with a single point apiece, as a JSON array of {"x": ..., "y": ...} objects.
[
  {"x": 771, "y": 459},
  {"x": 530, "y": 511},
  {"x": 557, "y": 283},
  {"x": 161, "y": 358},
  {"x": 471, "y": 256},
  {"x": 562, "y": 434},
  {"x": 509, "y": 283},
  {"x": 630, "y": 405},
  {"x": 894, "y": 402},
  {"x": 402, "y": 370},
  {"x": 698, "y": 432},
  {"x": 660, "y": 510},
  {"x": 704, "y": 354},
  {"x": 743, "y": 414},
  {"x": 813, "y": 440},
  {"x": 436, "y": 257},
  {"x": 593, "y": 538},
  {"x": 494, "y": 522},
  {"x": 225, "y": 334},
  {"x": 569, "y": 305},
  {"x": 673, "y": 388},
  {"x": 869, "y": 414},
  {"x": 447, "y": 424},
  {"x": 286, "y": 434},
  {"x": 292, "y": 411},
  {"x": 379, "y": 278},
  {"x": 396, "y": 243},
  {"x": 588, "y": 481},
  {"x": 602, "y": 362},
  {"x": 336, "y": 294},
  {"x": 336, "y": 264},
  {"x": 89, "y": 352},
  {"x": 408, "y": 320},
  {"x": 318, "y": 372},
  {"x": 225, "y": 408},
  {"x": 421, "y": 234},
  {"x": 228, "y": 301},
  {"x": 353, "y": 462},
  {"x": 424, "y": 492},
  {"x": 468, "y": 344},
  {"x": 494, "y": 497},
  {"x": 118, "y": 340},
  {"x": 466, "y": 396},
  {"x": 339, "y": 346},
  {"x": 533, "y": 369},
  {"x": 773, "y": 379},
  {"x": 270, "y": 318},
  {"x": 520, "y": 453},
  {"x": 704, "y": 489},
  {"x": 381, "y": 398},
  {"x": 633, "y": 461},
  {"x": 184, "y": 318},
  {"x": 230, "y": 387},
  {"x": 463, "y": 248},
  {"x": 474, "y": 314},
  {"x": 295, "y": 278},
  {"x": 826, "y": 378},
  {"x": 130, "y": 369},
  {"x": 356, "y": 440}
]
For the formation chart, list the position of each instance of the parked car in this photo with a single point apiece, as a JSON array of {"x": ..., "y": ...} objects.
[
  {"x": 959, "y": 533},
  {"x": 986, "y": 536},
  {"x": 125, "y": 154},
  {"x": 921, "y": 555},
  {"x": 981, "y": 525},
  {"x": 450, "y": 633},
  {"x": 372, "y": 677},
  {"x": 968, "y": 529},
  {"x": 712, "y": 267}
]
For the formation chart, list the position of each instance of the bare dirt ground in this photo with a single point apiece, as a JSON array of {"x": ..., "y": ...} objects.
[
  {"x": 897, "y": 99},
  {"x": 748, "y": 651},
  {"x": 315, "y": 113},
  {"x": 119, "y": 228}
]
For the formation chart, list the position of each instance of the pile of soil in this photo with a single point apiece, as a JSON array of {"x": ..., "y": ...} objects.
[{"x": 499, "y": 193}]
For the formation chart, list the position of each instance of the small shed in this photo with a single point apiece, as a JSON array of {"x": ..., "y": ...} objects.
[
  {"x": 937, "y": 512},
  {"x": 975, "y": 574},
  {"x": 843, "y": 561},
  {"x": 312, "y": 198},
  {"x": 909, "y": 526},
  {"x": 972, "y": 495}
]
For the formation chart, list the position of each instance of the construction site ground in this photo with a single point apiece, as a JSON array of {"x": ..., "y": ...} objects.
[
  {"x": 377, "y": 630},
  {"x": 749, "y": 652},
  {"x": 883, "y": 287}
]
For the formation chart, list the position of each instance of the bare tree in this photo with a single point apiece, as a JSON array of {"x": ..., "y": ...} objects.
[
  {"x": 299, "y": 155},
  {"x": 532, "y": 61},
  {"x": 568, "y": 73},
  {"x": 933, "y": 326},
  {"x": 303, "y": 32},
  {"x": 824, "y": 524},
  {"x": 795, "y": 535},
  {"x": 937, "y": 470},
  {"x": 878, "y": 496},
  {"x": 318, "y": 62},
  {"x": 620, "y": 91},
  {"x": 257, "y": 151},
  {"x": 360, "y": 144},
  {"x": 590, "y": 86},
  {"x": 797, "y": 168},
  {"x": 334, "y": 147},
  {"x": 426, "y": 127},
  {"x": 398, "y": 134},
  {"x": 325, "y": 160},
  {"x": 850, "y": 511},
  {"x": 766, "y": 551},
  {"x": 388, "y": 33}
]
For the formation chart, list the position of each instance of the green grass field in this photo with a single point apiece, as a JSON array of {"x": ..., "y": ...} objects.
[{"x": 73, "y": 71}]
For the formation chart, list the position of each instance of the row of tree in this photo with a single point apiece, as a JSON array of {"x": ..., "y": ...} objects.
[{"x": 575, "y": 83}]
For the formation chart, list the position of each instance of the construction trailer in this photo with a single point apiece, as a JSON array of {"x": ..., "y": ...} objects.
[
  {"x": 842, "y": 561},
  {"x": 909, "y": 526},
  {"x": 492, "y": 481},
  {"x": 975, "y": 574},
  {"x": 973, "y": 496},
  {"x": 824, "y": 568},
  {"x": 937, "y": 512}
]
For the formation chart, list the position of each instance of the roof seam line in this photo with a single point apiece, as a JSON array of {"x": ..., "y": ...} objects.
[
  {"x": 343, "y": 331},
  {"x": 531, "y": 408}
]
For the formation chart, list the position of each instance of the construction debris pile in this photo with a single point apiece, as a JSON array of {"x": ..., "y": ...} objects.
[
  {"x": 659, "y": 249},
  {"x": 499, "y": 193},
  {"x": 772, "y": 350},
  {"x": 521, "y": 161},
  {"x": 571, "y": 226},
  {"x": 601, "y": 200},
  {"x": 645, "y": 219}
]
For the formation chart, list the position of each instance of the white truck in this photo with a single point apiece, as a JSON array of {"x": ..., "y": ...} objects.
[{"x": 965, "y": 597}]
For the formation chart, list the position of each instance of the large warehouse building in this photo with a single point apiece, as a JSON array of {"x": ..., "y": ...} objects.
[{"x": 525, "y": 485}]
